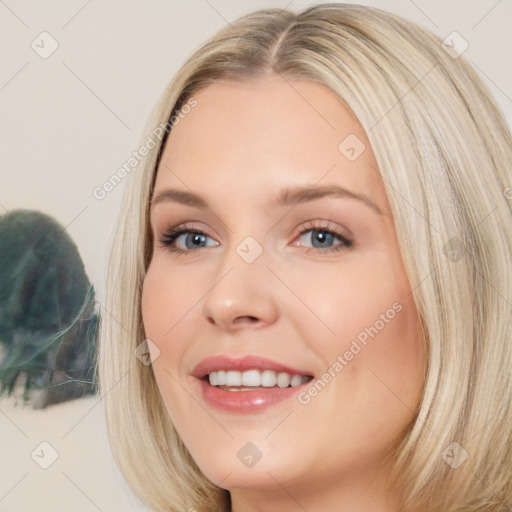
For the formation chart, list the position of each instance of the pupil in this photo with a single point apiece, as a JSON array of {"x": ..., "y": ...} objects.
[
  {"x": 196, "y": 237},
  {"x": 321, "y": 236}
]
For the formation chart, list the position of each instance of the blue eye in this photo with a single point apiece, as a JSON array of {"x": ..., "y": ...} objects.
[
  {"x": 194, "y": 239},
  {"x": 323, "y": 238}
]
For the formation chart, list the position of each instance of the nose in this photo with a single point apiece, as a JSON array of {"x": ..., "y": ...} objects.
[{"x": 242, "y": 296}]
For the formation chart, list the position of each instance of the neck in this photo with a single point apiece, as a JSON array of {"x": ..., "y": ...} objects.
[{"x": 361, "y": 493}]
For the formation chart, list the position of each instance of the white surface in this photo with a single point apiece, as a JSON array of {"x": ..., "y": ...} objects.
[{"x": 80, "y": 473}]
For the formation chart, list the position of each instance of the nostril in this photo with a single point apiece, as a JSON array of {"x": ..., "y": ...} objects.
[{"x": 247, "y": 318}]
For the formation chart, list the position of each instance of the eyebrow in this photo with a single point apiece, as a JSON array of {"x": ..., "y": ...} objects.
[{"x": 287, "y": 196}]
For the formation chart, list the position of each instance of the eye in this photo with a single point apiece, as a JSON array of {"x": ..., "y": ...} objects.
[
  {"x": 192, "y": 239},
  {"x": 322, "y": 237}
]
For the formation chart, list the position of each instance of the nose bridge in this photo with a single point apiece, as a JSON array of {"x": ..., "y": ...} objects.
[
  {"x": 242, "y": 288},
  {"x": 245, "y": 253}
]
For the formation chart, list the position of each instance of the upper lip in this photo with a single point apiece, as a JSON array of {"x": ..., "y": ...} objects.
[{"x": 216, "y": 363}]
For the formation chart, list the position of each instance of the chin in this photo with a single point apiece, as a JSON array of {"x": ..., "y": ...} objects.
[{"x": 258, "y": 478}]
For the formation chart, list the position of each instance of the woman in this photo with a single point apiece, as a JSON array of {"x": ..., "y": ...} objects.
[{"x": 310, "y": 287}]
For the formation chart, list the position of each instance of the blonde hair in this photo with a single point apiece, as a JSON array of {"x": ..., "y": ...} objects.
[{"x": 444, "y": 153}]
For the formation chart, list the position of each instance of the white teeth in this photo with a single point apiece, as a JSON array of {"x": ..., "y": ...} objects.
[
  {"x": 283, "y": 380},
  {"x": 256, "y": 378},
  {"x": 221, "y": 378},
  {"x": 214, "y": 378},
  {"x": 296, "y": 380},
  {"x": 233, "y": 378},
  {"x": 268, "y": 379},
  {"x": 251, "y": 378}
]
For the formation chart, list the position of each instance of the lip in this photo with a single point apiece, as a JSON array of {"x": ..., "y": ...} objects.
[
  {"x": 243, "y": 402},
  {"x": 216, "y": 363}
]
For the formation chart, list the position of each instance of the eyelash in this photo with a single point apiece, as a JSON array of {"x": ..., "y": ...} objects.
[{"x": 167, "y": 239}]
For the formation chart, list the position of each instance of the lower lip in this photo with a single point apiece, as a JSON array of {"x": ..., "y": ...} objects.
[{"x": 246, "y": 401}]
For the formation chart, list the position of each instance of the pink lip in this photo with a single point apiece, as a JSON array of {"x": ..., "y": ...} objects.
[
  {"x": 244, "y": 402},
  {"x": 213, "y": 364}
]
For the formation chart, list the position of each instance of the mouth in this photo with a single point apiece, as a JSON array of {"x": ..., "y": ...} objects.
[
  {"x": 248, "y": 385},
  {"x": 249, "y": 380}
]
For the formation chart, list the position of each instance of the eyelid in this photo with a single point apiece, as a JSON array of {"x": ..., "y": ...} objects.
[
  {"x": 179, "y": 229},
  {"x": 168, "y": 238},
  {"x": 327, "y": 225}
]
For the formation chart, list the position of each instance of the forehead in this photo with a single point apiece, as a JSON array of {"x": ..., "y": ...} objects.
[{"x": 260, "y": 135}]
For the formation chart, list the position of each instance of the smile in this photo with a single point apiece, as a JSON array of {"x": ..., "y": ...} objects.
[
  {"x": 247, "y": 385},
  {"x": 250, "y": 379}
]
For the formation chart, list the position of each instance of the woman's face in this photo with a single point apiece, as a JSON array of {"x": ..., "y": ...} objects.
[{"x": 310, "y": 282}]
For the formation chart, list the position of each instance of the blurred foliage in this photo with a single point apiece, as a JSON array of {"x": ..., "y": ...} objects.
[{"x": 48, "y": 323}]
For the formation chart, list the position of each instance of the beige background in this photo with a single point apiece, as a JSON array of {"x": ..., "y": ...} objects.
[{"x": 71, "y": 120}]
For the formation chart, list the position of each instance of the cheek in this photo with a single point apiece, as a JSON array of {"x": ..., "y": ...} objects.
[
  {"x": 165, "y": 299},
  {"x": 153, "y": 301},
  {"x": 353, "y": 301},
  {"x": 366, "y": 321},
  {"x": 161, "y": 305}
]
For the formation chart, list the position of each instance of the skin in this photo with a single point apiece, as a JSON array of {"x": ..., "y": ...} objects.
[{"x": 296, "y": 304}]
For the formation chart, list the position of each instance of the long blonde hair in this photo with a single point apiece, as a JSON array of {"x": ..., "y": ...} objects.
[{"x": 444, "y": 153}]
